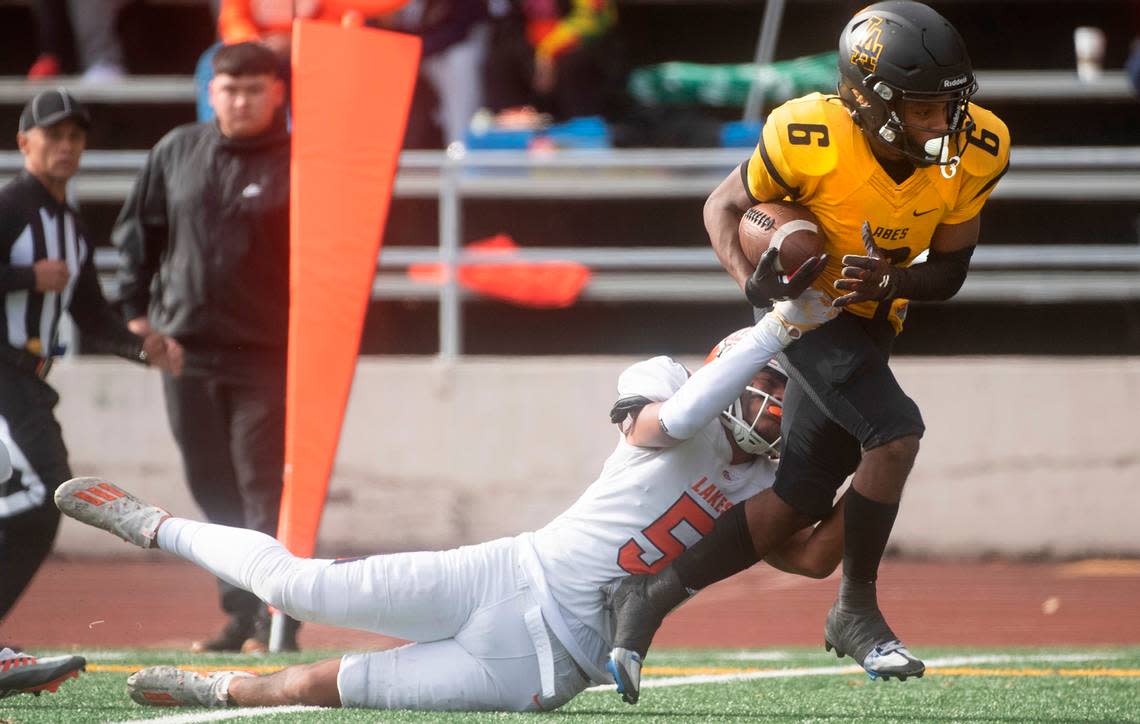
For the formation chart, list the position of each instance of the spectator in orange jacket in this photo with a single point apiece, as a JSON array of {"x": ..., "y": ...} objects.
[{"x": 271, "y": 23}]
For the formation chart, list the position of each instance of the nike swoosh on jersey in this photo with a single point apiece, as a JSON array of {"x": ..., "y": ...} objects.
[{"x": 923, "y": 213}]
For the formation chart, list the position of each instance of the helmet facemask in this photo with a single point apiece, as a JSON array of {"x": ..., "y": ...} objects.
[
  {"x": 878, "y": 108},
  {"x": 743, "y": 426}
]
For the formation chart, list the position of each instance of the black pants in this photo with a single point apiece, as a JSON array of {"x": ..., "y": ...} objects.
[
  {"x": 232, "y": 437},
  {"x": 28, "y": 516},
  {"x": 841, "y": 399}
]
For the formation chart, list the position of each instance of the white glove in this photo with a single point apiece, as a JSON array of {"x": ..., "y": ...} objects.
[{"x": 804, "y": 313}]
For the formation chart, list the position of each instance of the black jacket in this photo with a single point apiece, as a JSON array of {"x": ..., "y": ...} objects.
[
  {"x": 35, "y": 226},
  {"x": 204, "y": 237}
]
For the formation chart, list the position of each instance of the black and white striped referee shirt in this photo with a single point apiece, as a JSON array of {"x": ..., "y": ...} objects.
[{"x": 35, "y": 226}]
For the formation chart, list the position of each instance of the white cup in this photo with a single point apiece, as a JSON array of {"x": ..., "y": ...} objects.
[{"x": 1089, "y": 43}]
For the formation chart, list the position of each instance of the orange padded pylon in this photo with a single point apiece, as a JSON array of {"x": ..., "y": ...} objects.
[{"x": 352, "y": 88}]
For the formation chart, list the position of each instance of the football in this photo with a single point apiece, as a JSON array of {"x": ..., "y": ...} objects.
[{"x": 792, "y": 229}]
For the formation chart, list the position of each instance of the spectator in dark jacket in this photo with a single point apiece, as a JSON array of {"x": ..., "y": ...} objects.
[{"x": 204, "y": 237}]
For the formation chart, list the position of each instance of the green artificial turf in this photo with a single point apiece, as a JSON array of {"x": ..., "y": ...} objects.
[{"x": 1028, "y": 685}]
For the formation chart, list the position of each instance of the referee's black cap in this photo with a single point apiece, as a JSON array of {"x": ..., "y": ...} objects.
[{"x": 50, "y": 107}]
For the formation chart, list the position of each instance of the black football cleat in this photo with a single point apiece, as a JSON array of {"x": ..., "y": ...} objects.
[
  {"x": 625, "y": 666},
  {"x": 865, "y": 636},
  {"x": 24, "y": 674},
  {"x": 639, "y": 604}
]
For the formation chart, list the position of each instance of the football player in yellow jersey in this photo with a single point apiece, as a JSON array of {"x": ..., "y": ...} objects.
[{"x": 897, "y": 163}]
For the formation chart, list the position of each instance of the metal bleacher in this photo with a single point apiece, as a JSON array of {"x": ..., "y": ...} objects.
[
  {"x": 1026, "y": 274},
  {"x": 1053, "y": 272}
]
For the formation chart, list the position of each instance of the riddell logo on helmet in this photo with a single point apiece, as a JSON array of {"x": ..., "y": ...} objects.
[{"x": 955, "y": 82}]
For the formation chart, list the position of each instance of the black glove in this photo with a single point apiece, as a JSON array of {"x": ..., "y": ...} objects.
[
  {"x": 868, "y": 278},
  {"x": 765, "y": 285}
]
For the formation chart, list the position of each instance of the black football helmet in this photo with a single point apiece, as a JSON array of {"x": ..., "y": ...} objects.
[{"x": 898, "y": 51}]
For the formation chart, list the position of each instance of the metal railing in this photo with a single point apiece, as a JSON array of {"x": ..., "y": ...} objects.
[
  {"x": 1078, "y": 173},
  {"x": 1005, "y": 274},
  {"x": 994, "y": 85}
]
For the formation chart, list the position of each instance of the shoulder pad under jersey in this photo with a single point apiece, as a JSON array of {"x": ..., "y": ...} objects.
[
  {"x": 810, "y": 131},
  {"x": 655, "y": 379},
  {"x": 988, "y": 150}
]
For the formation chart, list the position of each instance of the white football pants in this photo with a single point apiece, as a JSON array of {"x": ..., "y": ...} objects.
[{"x": 469, "y": 610}]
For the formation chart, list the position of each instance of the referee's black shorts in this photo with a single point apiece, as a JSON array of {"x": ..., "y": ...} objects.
[{"x": 841, "y": 399}]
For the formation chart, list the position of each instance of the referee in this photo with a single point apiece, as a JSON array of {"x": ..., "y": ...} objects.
[{"x": 46, "y": 267}]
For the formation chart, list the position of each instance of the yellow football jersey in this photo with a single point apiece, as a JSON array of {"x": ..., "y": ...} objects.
[{"x": 812, "y": 153}]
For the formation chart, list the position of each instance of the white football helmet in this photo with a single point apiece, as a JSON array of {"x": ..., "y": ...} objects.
[{"x": 734, "y": 417}]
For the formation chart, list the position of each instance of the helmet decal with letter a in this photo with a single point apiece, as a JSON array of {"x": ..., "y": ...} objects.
[
  {"x": 734, "y": 418},
  {"x": 865, "y": 51}
]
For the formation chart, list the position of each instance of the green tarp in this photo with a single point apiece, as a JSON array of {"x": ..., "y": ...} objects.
[{"x": 728, "y": 85}]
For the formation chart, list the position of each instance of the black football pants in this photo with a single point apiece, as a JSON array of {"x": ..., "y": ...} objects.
[
  {"x": 232, "y": 438},
  {"x": 28, "y": 516},
  {"x": 841, "y": 398}
]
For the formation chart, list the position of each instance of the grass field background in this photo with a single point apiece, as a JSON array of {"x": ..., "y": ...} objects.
[{"x": 787, "y": 685}]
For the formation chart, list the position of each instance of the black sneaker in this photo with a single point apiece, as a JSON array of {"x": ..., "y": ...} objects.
[
  {"x": 865, "y": 636},
  {"x": 231, "y": 638},
  {"x": 258, "y": 643},
  {"x": 24, "y": 674}
]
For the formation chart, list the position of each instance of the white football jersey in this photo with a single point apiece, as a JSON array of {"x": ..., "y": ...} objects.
[{"x": 646, "y": 507}]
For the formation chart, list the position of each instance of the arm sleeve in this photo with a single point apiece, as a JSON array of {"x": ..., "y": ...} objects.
[
  {"x": 936, "y": 279},
  {"x": 587, "y": 19},
  {"x": 102, "y": 329},
  {"x": 713, "y": 387},
  {"x": 140, "y": 235}
]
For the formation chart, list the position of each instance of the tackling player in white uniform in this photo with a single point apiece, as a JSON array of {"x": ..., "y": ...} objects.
[{"x": 516, "y": 624}]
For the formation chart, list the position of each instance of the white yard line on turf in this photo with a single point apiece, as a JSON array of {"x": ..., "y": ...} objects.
[
  {"x": 654, "y": 682},
  {"x": 193, "y": 717}
]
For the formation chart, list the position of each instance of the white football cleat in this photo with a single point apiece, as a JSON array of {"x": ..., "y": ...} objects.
[
  {"x": 172, "y": 686},
  {"x": 101, "y": 504}
]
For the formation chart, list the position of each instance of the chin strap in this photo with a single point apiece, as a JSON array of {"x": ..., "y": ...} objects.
[
  {"x": 949, "y": 166},
  {"x": 940, "y": 147}
]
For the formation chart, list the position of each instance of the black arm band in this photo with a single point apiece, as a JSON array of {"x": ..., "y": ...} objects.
[
  {"x": 937, "y": 279},
  {"x": 627, "y": 406}
]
